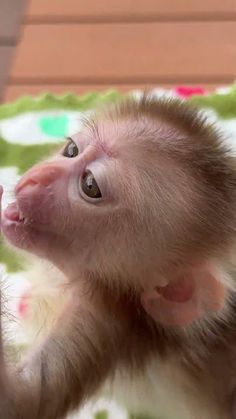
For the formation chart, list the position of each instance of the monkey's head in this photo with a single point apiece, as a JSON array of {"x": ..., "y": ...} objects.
[{"x": 143, "y": 197}]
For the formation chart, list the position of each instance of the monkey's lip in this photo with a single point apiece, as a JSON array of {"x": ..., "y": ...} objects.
[
  {"x": 20, "y": 212},
  {"x": 13, "y": 213},
  {"x": 20, "y": 231},
  {"x": 14, "y": 226},
  {"x": 14, "y": 217}
]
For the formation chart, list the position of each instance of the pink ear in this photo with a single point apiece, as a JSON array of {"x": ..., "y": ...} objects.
[{"x": 188, "y": 297}]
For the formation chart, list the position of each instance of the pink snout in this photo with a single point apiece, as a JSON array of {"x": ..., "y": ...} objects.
[
  {"x": 42, "y": 175},
  {"x": 39, "y": 192}
]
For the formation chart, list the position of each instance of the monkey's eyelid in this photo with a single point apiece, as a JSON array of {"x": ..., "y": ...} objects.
[
  {"x": 73, "y": 140},
  {"x": 66, "y": 141},
  {"x": 69, "y": 140},
  {"x": 67, "y": 148}
]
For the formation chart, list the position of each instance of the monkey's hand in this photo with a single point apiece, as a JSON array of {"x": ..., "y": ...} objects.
[
  {"x": 68, "y": 367},
  {"x": 7, "y": 410}
]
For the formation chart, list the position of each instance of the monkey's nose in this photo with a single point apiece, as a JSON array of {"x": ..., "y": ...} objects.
[{"x": 42, "y": 175}]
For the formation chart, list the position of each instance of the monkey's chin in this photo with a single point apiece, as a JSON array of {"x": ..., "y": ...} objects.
[{"x": 23, "y": 233}]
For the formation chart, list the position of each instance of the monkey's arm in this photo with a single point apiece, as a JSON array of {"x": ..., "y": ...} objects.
[
  {"x": 68, "y": 367},
  {"x": 5, "y": 405},
  {"x": 7, "y": 410}
]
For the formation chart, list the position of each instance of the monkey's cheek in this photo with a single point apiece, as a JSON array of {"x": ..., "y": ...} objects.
[
  {"x": 16, "y": 233},
  {"x": 23, "y": 236},
  {"x": 36, "y": 206},
  {"x": 44, "y": 244}
]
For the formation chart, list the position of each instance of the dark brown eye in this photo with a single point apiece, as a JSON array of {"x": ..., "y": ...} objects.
[
  {"x": 89, "y": 185},
  {"x": 71, "y": 150}
]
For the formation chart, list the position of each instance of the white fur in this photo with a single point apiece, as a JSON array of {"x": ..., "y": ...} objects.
[{"x": 164, "y": 392}]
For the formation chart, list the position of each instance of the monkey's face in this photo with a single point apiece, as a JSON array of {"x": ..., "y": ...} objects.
[
  {"x": 78, "y": 206},
  {"x": 102, "y": 201}
]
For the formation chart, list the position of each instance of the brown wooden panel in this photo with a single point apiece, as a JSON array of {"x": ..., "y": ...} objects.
[
  {"x": 5, "y": 58},
  {"x": 11, "y": 13},
  {"x": 130, "y": 53},
  {"x": 53, "y": 9},
  {"x": 14, "y": 92}
]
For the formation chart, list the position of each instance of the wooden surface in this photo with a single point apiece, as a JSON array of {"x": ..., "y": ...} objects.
[
  {"x": 153, "y": 52},
  {"x": 5, "y": 60},
  {"x": 79, "y": 45},
  {"x": 43, "y": 10},
  {"x": 11, "y": 13}
]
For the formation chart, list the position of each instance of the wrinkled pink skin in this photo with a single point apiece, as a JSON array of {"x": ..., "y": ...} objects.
[
  {"x": 34, "y": 200},
  {"x": 60, "y": 223}
]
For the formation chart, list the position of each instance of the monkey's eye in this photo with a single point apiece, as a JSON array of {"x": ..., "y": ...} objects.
[
  {"x": 71, "y": 150},
  {"x": 89, "y": 185}
]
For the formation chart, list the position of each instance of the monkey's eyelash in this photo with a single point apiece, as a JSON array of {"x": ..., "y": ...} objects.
[{"x": 68, "y": 140}]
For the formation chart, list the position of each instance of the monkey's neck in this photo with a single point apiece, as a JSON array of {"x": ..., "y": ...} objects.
[{"x": 143, "y": 337}]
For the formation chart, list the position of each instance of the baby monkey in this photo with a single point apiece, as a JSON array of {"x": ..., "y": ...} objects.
[{"x": 138, "y": 211}]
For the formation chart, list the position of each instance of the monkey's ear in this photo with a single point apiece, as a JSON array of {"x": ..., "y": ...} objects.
[{"x": 190, "y": 296}]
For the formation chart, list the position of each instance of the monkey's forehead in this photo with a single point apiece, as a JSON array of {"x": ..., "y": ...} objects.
[
  {"x": 149, "y": 115},
  {"x": 174, "y": 111},
  {"x": 167, "y": 126},
  {"x": 136, "y": 137},
  {"x": 112, "y": 133}
]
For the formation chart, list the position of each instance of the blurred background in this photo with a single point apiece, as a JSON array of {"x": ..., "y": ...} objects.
[{"x": 89, "y": 45}]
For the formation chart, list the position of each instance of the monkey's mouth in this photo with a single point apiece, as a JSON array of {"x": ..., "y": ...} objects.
[
  {"x": 25, "y": 231},
  {"x": 20, "y": 226},
  {"x": 27, "y": 213},
  {"x": 15, "y": 226},
  {"x": 13, "y": 214}
]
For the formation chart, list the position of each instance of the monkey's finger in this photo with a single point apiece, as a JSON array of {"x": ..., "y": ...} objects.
[
  {"x": 3, "y": 372},
  {"x": 2, "y": 368},
  {"x": 1, "y": 344}
]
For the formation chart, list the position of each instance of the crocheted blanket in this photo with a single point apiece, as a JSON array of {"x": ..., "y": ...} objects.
[{"x": 30, "y": 128}]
